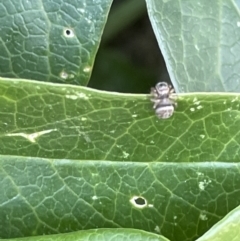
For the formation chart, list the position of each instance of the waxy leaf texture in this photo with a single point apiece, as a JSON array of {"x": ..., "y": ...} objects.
[
  {"x": 62, "y": 121},
  {"x": 49, "y": 196},
  {"x": 200, "y": 43},
  {"x": 54, "y": 41}
]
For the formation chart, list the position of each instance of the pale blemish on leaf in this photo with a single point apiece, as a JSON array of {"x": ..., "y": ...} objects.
[
  {"x": 199, "y": 107},
  {"x": 202, "y": 136},
  {"x": 89, "y": 20},
  {"x": 73, "y": 97},
  {"x": 77, "y": 96},
  {"x": 81, "y": 10},
  {"x": 197, "y": 103},
  {"x": 192, "y": 109},
  {"x": 87, "y": 69},
  {"x": 196, "y": 47},
  {"x": 94, "y": 198},
  {"x": 203, "y": 184},
  {"x": 64, "y": 75},
  {"x": 82, "y": 96},
  {"x": 85, "y": 136},
  {"x": 33, "y": 136},
  {"x": 203, "y": 216},
  {"x": 157, "y": 229},
  {"x": 125, "y": 154},
  {"x": 235, "y": 99}
]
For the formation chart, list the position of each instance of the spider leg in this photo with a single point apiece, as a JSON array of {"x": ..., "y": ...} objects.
[
  {"x": 154, "y": 92},
  {"x": 173, "y": 101},
  {"x": 173, "y": 97},
  {"x": 156, "y": 102}
]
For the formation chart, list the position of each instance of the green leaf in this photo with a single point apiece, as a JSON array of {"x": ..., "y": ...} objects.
[
  {"x": 199, "y": 41},
  {"x": 112, "y": 163},
  {"x": 52, "y": 41},
  {"x": 226, "y": 229},
  {"x": 62, "y": 121},
  {"x": 180, "y": 201},
  {"x": 98, "y": 235}
]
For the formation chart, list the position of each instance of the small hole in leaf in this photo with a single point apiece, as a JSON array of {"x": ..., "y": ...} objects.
[
  {"x": 64, "y": 75},
  {"x": 69, "y": 33},
  {"x": 138, "y": 201}
]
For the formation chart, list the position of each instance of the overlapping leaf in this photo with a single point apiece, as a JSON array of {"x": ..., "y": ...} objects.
[
  {"x": 98, "y": 235},
  {"x": 52, "y": 41},
  {"x": 226, "y": 229},
  {"x": 200, "y": 41},
  {"x": 44, "y": 196}
]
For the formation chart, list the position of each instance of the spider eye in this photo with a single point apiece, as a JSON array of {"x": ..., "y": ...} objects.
[{"x": 161, "y": 85}]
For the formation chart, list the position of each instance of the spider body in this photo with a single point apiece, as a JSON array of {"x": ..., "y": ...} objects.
[{"x": 164, "y": 102}]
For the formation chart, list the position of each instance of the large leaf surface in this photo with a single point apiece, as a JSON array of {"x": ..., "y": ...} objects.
[
  {"x": 200, "y": 41},
  {"x": 48, "y": 40},
  {"x": 99, "y": 235},
  {"x": 62, "y": 121},
  {"x": 180, "y": 201}
]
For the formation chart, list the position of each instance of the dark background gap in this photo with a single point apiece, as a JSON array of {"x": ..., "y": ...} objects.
[{"x": 130, "y": 61}]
